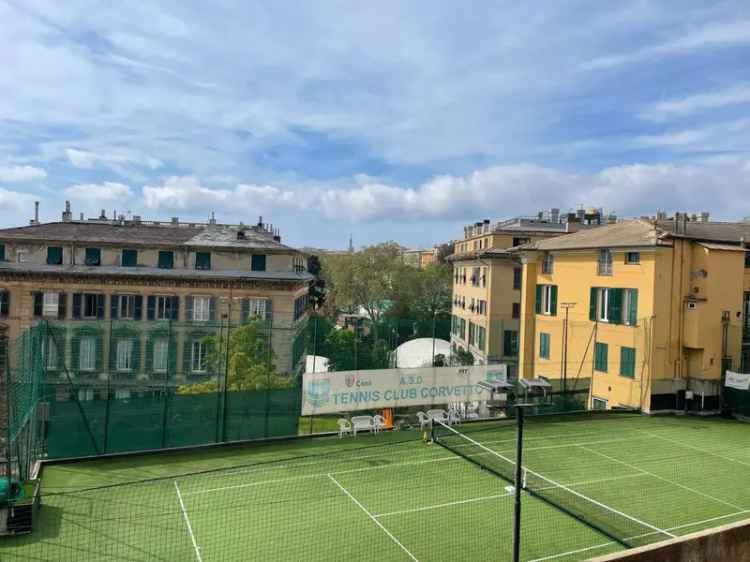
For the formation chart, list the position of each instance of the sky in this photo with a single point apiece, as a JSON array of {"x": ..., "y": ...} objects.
[{"x": 386, "y": 120}]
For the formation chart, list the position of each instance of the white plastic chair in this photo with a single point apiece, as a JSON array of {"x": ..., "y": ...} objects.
[
  {"x": 439, "y": 415},
  {"x": 345, "y": 428},
  {"x": 362, "y": 423},
  {"x": 471, "y": 411},
  {"x": 454, "y": 417},
  {"x": 378, "y": 423},
  {"x": 424, "y": 420}
]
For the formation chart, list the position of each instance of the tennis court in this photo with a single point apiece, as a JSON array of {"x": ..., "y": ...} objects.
[{"x": 392, "y": 497}]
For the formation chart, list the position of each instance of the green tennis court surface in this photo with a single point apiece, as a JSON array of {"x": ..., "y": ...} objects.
[{"x": 391, "y": 497}]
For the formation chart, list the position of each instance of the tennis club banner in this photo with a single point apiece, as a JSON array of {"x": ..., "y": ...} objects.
[
  {"x": 348, "y": 391},
  {"x": 740, "y": 381}
]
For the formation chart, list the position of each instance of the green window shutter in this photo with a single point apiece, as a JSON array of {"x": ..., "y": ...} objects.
[
  {"x": 539, "y": 299},
  {"x": 615, "y": 306},
  {"x": 633, "y": 307},
  {"x": 2, "y": 252},
  {"x": 553, "y": 298},
  {"x": 544, "y": 346},
  {"x": 258, "y": 262},
  {"x": 627, "y": 362},
  {"x": 129, "y": 258},
  {"x": 601, "y": 359},
  {"x": 54, "y": 255},
  {"x": 99, "y": 352},
  {"x": 166, "y": 259},
  {"x": 506, "y": 342},
  {"x": 592, "y": 304}
]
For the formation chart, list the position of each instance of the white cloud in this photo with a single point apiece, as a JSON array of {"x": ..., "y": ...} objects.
[
  {"x": 677, "y": 107},
  {"x": 713, "y": 184},
  {"x": 107, "y": 192},
  {"x": 716, "y": 35},
  {"x": 117, "y": 159},
  {"x": 22, "y": 174}
]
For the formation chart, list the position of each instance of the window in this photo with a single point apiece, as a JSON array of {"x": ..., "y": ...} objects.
[
  {"x": 510, "y": 343},
  {"x": 161, "y": 354},
  {"x": 201, "y": 309},
  {"x": 166, "y": 260},
  {"x": 613, "y": 305},
  {"x": 472, "y": 333},
  {"x": 601, "y": 352},
  {"x": 516, "y": 310},
  {"x": 544, "y": 345},
  {"x": 484, "y": 277},
  {"x": 199, "y": 354},
  {"x": 254, "y": 308},
  {"x": 548, "y": 263},
  {"x": 85, "y": 394},
  {"x": 89, "y": 305},
  {"x": 125, "y": 360},
  {"x": 482, "y": 307},
  {"x": 87, "y": 353},
  {"x": 49, "y": 352},
  {"x": 127, "y": 307},
  {"x": 4, "y": 302},
  {"x": 598, "y": 403},
  {"x": 2, "y": 252},
  {"x": 481, "y": 335},
  {"x": 122, "y": 394},
  {"x": 258, "y": 263},
  {"x": 475, "y": 275},
  {"x": 300, "y": 306},
  {"x": 202, "y": 260},
  {"x": 632, "y": 258},
  {"x": 129, "y": 258},
  {"x": 747, "y": 259},
  {"x": 546, "y": 300},
  {"x": 627, "y": 362},
  {"x": 93, "y": 256},
  {"x": 518, "y": 241},
  {"x": 517, "y": 278},
  {"x": 50, "y": 304},
  {"x": 54, "y": 255},
  {"x": 604, "y": 266},
  {"x": 165, "y": 309}
]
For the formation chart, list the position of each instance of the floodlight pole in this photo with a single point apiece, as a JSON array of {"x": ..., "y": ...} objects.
[
  {"x": 518, "y": 483},
  {"x": 564, "y": 374}
]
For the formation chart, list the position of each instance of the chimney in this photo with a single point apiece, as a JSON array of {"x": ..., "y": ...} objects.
[
  {"x": 103, "y": 215},
  {"x": 684, "y": 223},
  {"x": 554, "y": 215},
  {"x": 212, "y": 220},
  {"x": 67, "y": 216},
  {"x": 175, "y": 221},
  {"x": 136, "y": 219},
  {"x": 81, "y": 217},
  {"x": 705, "y": 216},
  {"x": 35, "y": 220}
]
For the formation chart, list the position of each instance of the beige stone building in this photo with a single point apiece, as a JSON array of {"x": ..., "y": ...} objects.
[
  {"x": 487, "y": 279},
  {"x": 146, "y": 278}
]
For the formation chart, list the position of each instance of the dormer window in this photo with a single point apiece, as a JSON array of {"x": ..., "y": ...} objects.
[
  {"x": 203, "y": 260},
  {"x": 93, "y": 256},
  {"x": 241, "y": 235},
  {"x": 54, "y": 255}
]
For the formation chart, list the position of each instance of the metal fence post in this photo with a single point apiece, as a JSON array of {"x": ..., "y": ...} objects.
[{"x": 518, "y": 484}]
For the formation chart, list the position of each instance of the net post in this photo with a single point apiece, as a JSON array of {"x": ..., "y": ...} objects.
[{"x": 519, "y": 484}]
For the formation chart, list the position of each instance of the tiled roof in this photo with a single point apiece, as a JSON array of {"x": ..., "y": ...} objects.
[
  {"x": 153, "y": 272},
  {"x": 731, "y": 232},
  {"x": 631, "y": 233},
  {"x": 487, "y": 253},
  {"x": 144, "y": 234}
]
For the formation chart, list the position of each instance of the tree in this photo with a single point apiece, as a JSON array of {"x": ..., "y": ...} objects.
[
  {"x": 364, "y": 279},
  {"x": 251, "y": 362},
  {"x": 317, "y": 289}
]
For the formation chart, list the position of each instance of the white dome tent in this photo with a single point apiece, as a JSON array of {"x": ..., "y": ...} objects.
[{"x": 418, "y": 352}]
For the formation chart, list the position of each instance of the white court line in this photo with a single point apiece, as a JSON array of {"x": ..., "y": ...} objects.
[
  {"x": 695, "y": 448},
  {"x": 561, "y": 486},
  {"x": 319, "y": 474},
  {"x": 187, "y": 522},
  {"x": 677, "y": 528},
  {"x": 373, "y": 518},
  {"x": 561, "y": 554},
  {"x": 441, "y": 505},
  {"x": 667, "y": 480},
  {"x": 483, "y": 498}
]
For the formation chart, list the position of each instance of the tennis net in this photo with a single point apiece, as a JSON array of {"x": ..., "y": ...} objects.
[{"x": 625, "y": 529}]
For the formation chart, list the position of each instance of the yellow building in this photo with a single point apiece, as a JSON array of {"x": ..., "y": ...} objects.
[
  {"x": 486, "y": 304},
  {"x": 651, "y": 312}
]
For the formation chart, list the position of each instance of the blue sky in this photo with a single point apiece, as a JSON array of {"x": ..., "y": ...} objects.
[{"x": 386, "y": 120}]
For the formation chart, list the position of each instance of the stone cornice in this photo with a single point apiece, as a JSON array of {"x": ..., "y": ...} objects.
[{"x": 151, "y": 281}]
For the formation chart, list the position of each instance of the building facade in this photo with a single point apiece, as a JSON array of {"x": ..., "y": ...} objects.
[
  {"x": 651, "y": 311},
  {"x": 146, "y": 294},
  {"x": 487, "y": 278}
]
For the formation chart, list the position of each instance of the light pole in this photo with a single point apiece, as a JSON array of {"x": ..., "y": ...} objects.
[{"x": 564, "y": 367}]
